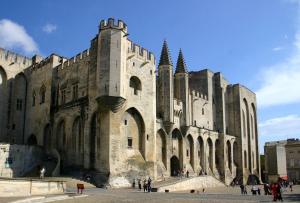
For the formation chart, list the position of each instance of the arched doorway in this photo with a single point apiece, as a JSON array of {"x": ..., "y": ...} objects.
[
  {"x": 161, "y": 146},
  {"x": 134, "y": 130},
  {"x": 92, "y": 144},
  {"x": 32, "y": 140},
  {"x": 200, "y": 151},
  {"x": 47, "y": 137},
  {"x": 229, "y": 158},
  {"x": 175, "y": 166},
  {"x": 218, "y": 154},
  {"x": 210, "y": 154},
  {"x": 190, "y": 147}
]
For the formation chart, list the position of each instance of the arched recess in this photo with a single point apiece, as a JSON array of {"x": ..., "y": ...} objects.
[
  {"x": 245, "y": 159},
  {"x": 248, "y": 134},
  {"x": 47, "y": 137},
  {"x": 61, "y": 138},
  {"x": 94, "y": 131},
  {"x": 200, "y": 151},
  {"x": 235, "y": 154},
  {"x": 3, "y": 100},
  {"x": 175, "y": 165},
  {"x": 190, "y": 147},
  {"x": 42, "y": 94},
  {"x": 32, "y": 140},
  {"x": 76, "y": 138},
  {"x": 218, "y": 154},
  {"x": 229, "y": 158},
  {"x": 210, "y": 153},
  {"x": 19, "y": 103},
  {"x": 161, "y": 146},
  {"x": 177, "y": 145},
  {"x": 136, "y": 84},
  {"x": 255, "y": 135},
  {"x": 134, "y": 129}
]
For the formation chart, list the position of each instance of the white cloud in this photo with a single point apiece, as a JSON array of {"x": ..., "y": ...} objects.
[
  {"x": 281, "y": 82},
  {"x": 49, "y": 28},
  {"x": 13, "y": 35},
  {"x": 283, "y": 127},
  {"x": 277, "y": 48}
]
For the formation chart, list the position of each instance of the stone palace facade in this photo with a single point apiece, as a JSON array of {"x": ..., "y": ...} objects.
[{"x": 110, "y": 109}]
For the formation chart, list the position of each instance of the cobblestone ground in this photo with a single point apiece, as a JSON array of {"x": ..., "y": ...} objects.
[
  {"x": 217, "y": 195},
  {"x": 224, "y": 195}
]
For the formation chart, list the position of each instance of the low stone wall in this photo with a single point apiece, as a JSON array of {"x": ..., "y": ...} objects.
[
  {"x": 26, "y": 187},
  {"x": 195, "y": 183}
]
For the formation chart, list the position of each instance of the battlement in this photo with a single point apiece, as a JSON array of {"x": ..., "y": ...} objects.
[
  {"x": 12, "y": 57},
  {"x": 140, "y": 52},
  {"x": 111, "y": 23},
  {"x": 76, "y": 59},
  {"x": 197, "y": 95},
  {"x": 42, "y": 63}
]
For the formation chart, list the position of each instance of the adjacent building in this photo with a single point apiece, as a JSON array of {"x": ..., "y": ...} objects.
[{"x": 282, "y": 160}]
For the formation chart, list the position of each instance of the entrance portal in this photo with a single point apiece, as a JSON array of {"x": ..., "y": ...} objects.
[{"x": 175, "y": 166}]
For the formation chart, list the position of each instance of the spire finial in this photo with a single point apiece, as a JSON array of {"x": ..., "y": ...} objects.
[
  {"x": 165, "y": 58},
  {"x": 180, "y": 66}
]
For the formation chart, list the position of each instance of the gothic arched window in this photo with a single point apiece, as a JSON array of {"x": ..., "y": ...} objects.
[{"x": 42, "y": 94}]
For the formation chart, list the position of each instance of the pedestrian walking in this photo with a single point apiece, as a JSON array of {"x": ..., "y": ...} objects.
[
  {"x": 140, "y": 184},
  {"x": 42, "y": 172},
  {"x": 242, "y": 188},
  {"x": 145, "y": 185},
  {"x": 133, "y": 183},
  {"x": 149, "y": 184},
  {"x": 187, "y": 174}
]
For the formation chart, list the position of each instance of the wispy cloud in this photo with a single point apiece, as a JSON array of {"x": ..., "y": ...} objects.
[
  {"x": 283, "y": 127},
  {"x": 280, "y": 82},
  {"x": 13, "y": 35},
  {"x": 277, "y": 48},
  {"x": 49, "y": 28}
]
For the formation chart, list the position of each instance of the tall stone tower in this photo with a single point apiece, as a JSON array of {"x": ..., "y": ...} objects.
[
  {"x": 111, "y": 68},
  {"x": 182, "y": 87},
  {"x": 165, "y": 86}
]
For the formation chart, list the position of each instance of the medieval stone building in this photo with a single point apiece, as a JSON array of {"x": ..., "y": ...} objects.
[{"x": 111, "y": 110}]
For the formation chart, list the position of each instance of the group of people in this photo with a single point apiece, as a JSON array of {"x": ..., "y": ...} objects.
[
  {"x": 180, "y": 173},
  {"x": 146, "y": 184}
]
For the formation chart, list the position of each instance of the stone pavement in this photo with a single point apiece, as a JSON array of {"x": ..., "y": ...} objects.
[{"x": 214, "y": 195}]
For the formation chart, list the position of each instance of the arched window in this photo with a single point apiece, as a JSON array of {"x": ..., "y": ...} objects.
[
  {"x": 33, "y": 98},
  {"x": 42, "y": 94},
  {"x": 135, "y": 83}
]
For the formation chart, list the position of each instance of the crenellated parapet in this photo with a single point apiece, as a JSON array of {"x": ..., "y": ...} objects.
[
  {"x": 112, "y": 24},
  {"x": 198, "y": 95},
  {"x": 12, "y": 57},
  {"x": 135, "y": 50},
  {"x": 76, "y": 59}
]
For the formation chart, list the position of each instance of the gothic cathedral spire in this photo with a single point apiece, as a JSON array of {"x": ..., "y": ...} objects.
[
  {"x": 165, "y": 58},
  {"x": 180, "y": 66}
]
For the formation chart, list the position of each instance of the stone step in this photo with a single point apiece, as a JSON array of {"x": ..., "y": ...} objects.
[{"x": 185, "y": 184}]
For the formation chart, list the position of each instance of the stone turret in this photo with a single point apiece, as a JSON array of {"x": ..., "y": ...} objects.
[
  {"x": 165, "y": 86},
  {"x": 112, "y": 39},
  {"x": 181, "y": 88}
]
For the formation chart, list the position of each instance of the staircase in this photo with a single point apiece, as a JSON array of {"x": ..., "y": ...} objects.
[{"x": 174, "y": 184}]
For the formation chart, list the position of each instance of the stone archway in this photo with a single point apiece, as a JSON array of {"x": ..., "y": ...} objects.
[
  {"x": 175, "y": 166},
  {"x": 229, "y": 158},
  {"x": 200, "y": 151},
  {"x": 177, "y": 145},
  {"x": 210, "y": 154},
  {"x": 161, "y": 146},
  {"x": 190, "y": 147}
]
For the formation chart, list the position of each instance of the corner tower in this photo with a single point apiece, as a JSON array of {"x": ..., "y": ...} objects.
[
  {"x": 165, "y": 86},
  {"x": 181, "y": 87},
  {"x": 111, "y": 68}
]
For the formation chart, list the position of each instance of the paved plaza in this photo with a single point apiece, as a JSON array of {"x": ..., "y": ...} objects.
[{"x": 224, "y": 195}]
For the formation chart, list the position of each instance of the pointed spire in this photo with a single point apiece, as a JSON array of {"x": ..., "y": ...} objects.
[
  {"x": 180, "y": 66},
  {"x": 165, "y": 58}
]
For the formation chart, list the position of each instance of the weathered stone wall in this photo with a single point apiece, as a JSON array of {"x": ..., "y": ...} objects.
[{"x": 16, "y": 160}]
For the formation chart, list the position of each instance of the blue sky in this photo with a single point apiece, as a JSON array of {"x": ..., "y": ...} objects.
[{"x": 255, "y": 42}]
